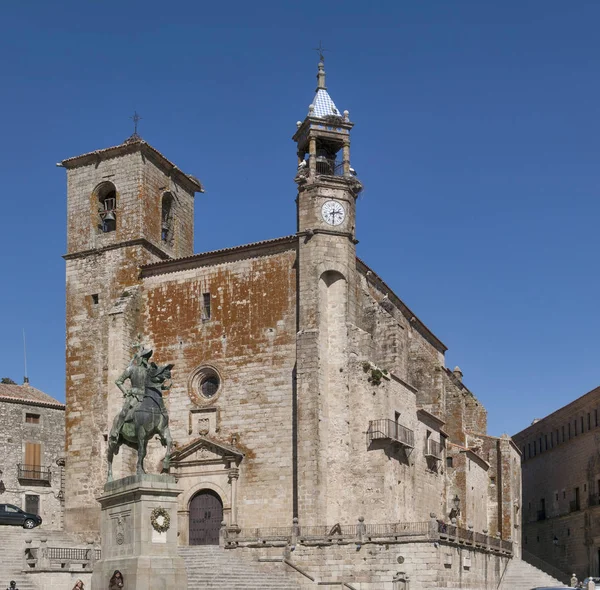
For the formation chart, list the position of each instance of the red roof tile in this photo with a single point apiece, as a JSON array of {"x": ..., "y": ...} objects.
[{"x": 26, "y": 393}]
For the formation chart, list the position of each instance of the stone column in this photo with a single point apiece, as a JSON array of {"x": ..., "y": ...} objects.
[
  {"x": 312, "y": 156},
  {"x": 346, "y": 158},
  {"x": 234, "y": 474}
]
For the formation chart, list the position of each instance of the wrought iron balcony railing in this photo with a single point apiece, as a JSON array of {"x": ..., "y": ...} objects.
[
  {"x": 434, "y": 449},
  {"x": 34, "y": 473},
  {"x": 386, "y": 429}
]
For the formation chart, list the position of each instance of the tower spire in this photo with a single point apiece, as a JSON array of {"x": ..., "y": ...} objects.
[{"x": 321, "y": 77}]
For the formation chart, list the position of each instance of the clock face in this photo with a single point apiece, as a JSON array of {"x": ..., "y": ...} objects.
[{"x": 333, "y": 212}]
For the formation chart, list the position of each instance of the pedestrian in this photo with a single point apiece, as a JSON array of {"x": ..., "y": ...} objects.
[
  {"x": 78, "y": 585},
  {"x": 116, "y": 582},
  {"x": 591, "y": 585},
  {"x": 12, "y": 585},
  {"x": 574, "y": 581}
]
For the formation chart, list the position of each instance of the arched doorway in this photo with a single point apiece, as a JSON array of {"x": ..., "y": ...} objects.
[{"x": 206, "y": 515}]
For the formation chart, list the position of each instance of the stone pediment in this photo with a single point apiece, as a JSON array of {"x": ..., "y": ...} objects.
[{"x": 203, "y": 450}]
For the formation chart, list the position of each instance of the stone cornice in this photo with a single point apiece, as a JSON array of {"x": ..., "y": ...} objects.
[{"x": 137, "y": 242}]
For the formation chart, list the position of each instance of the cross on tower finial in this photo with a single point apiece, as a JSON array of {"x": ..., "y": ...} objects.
[
  {"x": 136, "y": 118},
  {"x": 321, "y": 49}
]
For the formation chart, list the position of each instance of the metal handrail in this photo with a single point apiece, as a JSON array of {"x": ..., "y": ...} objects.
[{"x": 388, "y": 429}]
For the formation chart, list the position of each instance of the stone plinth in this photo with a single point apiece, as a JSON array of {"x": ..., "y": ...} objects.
[{"x": 147, "y": 558}]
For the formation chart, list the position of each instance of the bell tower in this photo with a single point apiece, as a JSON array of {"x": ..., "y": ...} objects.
[
  {"x": 326, "y": 213},
  {"x": 127, "y": 206}
]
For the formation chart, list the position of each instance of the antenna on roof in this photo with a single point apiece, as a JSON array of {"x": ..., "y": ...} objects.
[{"x": 26, "y": 378}]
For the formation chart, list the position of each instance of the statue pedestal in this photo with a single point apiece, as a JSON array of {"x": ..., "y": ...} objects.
[{"x": 133, "y": 508}]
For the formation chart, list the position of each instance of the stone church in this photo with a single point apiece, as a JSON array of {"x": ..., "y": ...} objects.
[{"x": 307, "y": 397}]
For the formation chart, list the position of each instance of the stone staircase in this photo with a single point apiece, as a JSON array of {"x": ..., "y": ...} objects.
[
  {"x": 210, "y": 567},
  {"x": 12, "y": 545},
  {"x": 521, "y": 575}
]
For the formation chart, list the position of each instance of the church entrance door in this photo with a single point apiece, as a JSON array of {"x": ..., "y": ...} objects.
[{"x": 206, "y": 516}]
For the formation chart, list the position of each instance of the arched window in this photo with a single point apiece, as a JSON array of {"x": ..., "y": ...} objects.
[
  {"x": 107, "y": 207},
  {"x": 166, "y": 226}
]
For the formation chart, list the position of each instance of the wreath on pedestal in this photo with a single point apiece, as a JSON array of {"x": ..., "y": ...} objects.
[{"x": 160, "y": 520}]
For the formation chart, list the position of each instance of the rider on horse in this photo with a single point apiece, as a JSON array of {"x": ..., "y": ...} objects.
[{"x": 137, "y": 373}]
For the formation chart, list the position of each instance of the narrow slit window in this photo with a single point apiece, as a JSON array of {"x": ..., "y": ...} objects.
[
  {"x": 95, "y": 298},
  {"x": 206, "y": 306}
]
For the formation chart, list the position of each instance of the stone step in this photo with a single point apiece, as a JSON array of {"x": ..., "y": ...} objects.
[
  {"x": 521, "y": 575},
  {"x": 210, "y": 567}
]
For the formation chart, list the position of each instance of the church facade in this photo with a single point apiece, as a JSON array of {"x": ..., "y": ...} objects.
[{"x": 305, "y": 392}]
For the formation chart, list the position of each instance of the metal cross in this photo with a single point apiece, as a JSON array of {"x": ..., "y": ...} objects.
[
  {"x": 136, "y": 118},
  {"x": 321, "y": 49}
]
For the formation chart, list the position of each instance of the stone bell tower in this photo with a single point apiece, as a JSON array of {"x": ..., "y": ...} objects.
[
  {"x": 326, "y": 210},
  {"x": 127, "y": 206}
]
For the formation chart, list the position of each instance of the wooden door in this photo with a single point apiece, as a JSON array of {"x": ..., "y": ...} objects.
[
  {"x": 206, "y": 515},
  {"x": 33, "y": 460}
]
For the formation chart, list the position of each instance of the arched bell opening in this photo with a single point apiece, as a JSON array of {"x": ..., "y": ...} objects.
[
  {"x": 106, "y": 195},
  {"x": 206, "y": 516}
]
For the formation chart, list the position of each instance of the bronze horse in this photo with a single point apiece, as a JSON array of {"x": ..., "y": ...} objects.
[{"x": 146, "y": 419}]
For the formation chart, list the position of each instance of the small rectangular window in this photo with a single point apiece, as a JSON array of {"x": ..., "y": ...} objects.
[
  {"x": 563, "y": 432},
  {"x": 581, "y": 424},
  {"x": 32, "y": 418},
  {"x": 589, "y": 421},
  {"x": 569, "y": 428},
  {"x": 556, "y": 496},
  {"x": 206, "y": 306},
  {"x": 546, "y": 441},
  {"x": 95, "y": 298},
  {"x": 448, "y": 461}
]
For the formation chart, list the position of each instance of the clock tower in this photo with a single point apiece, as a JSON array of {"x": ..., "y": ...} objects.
[{"x": 327, "y": 283}]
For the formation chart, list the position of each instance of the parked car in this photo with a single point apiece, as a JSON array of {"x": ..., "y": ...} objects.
[
  {"x": 10, "y": 514},
  {"x": 595, "y": 580}
]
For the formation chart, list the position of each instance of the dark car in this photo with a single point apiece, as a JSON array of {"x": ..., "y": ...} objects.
[{"x": 10, "y": 514}]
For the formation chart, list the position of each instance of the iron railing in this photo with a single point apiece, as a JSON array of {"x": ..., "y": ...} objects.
[
  {"x": 386, "y": 429},
  {"x": 397, "y": 532},
  {"x": 34, "y": 472},
  {"x": 329, "y": 167},
  {"x": 434, "y": 449}
]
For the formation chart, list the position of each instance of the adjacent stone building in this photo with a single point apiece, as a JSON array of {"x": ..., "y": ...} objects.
[
  {"x": 32, "y": 427},
  {"x": 305, "y": 392},
  {"x": 561, "y": 486}
]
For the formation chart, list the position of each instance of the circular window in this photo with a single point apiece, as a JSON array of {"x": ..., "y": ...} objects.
[
  {"x": 209, "y": 385},
  {"x": 205, "y": 385}
]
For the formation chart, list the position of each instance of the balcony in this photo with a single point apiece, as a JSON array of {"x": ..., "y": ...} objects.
[
  {"x": 34, "y": 474},
  {"x": 434, "y": 450},
  {"x": 388, "y": 430}
]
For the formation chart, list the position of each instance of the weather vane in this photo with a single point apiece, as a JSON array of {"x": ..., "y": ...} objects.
[
  {"x": 136, "y": 118},
  {"x": 321, "y": 49}
]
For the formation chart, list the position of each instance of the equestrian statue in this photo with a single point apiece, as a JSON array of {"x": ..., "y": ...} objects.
[{"x": 143, "y": 414}]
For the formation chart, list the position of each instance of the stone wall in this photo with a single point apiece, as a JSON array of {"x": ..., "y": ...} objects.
[
  {"x": 249, "y": 340},
  {"x": 561, "y": 486},
  {"x": 49, "y": 432},
  {"x": 423, "y": 565}
]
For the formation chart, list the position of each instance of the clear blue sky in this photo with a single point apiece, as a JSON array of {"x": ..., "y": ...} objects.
[{"x": 477, "y": 138}]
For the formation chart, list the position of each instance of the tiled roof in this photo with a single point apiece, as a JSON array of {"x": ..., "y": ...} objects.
[
  {"x": 130, "y": 144},
  {"x": 25, "y": 393},
  {"x": 291, "y": 239},
  {"x": 323, "y": 105}
]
